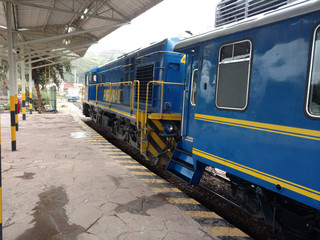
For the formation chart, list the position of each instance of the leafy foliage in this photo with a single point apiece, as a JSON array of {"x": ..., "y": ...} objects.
[
  {"x": 91, "y": 60},
  {"x": 4, "y": 67},
  {"x": 42, "y": 76}
]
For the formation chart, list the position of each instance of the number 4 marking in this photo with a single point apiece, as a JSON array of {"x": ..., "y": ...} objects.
[{"x": 183, "y": 59}]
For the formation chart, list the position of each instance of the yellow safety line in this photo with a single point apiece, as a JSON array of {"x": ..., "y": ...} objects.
[
  {"x": 202, "y": 214},
  {"x": 128, "y": 157},
  {"x": 162, "y": 190},
  {"x": 146, "y": 180},
  {"x": 183, "y": 201},
  {"x": 125, "y": 161},
  {"x": 134, "y": 167},
  {"x": 115, "y": 154},
  {"x": 225, "y": 231},
  {"x": 143, "y": 173}
]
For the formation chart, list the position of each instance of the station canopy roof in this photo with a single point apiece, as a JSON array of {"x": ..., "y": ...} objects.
[{"x": 45, "y": 29}]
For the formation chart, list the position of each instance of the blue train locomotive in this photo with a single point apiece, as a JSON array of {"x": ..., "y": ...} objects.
[
  {"x": 244, "y": 98},
  {"x": 138, "y": 98}
]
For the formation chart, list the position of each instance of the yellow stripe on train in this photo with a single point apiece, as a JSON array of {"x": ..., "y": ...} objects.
[
  {"x": 311, "y": 193},
  {"x": 291, "y": 131}
]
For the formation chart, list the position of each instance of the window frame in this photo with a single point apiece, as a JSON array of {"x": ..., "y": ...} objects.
[
  {"x": 308, "y": 101},
  {"x": 191, "y": 87},
  {"x": 220, "y": 62}
]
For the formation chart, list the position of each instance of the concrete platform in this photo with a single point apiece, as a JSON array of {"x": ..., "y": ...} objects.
[{"x": 61, "y": 185}]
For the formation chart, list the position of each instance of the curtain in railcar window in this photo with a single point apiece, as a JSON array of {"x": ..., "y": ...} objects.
[{"x": 194, "y": 87}]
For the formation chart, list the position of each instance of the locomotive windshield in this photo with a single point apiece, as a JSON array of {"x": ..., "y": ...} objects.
[{"x": 314, "y": 94}]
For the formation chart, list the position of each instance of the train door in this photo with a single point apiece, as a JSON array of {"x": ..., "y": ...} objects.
[{"x": 190, "y": 98}]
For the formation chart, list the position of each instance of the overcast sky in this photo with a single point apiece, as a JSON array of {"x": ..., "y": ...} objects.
[{"x": 170, "y": 18}]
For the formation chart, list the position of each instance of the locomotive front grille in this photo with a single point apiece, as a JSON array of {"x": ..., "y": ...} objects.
[{"x": 144, "y": 74}]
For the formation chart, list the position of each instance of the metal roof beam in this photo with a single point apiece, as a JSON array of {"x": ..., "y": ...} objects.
[
  {"x": 57, "y": 55},
  {"x": 50, "y": 51},
  {"x": 52, "y": 38},
  {"x": 64, "y": 10},
  {"x": 49, "y": 64},
  {"x": 50, "y": 57}
]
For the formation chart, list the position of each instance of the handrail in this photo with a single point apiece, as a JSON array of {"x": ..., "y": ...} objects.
[
  {"x": 138, "y": 98},
  {"x": 132, "y": 85},
  {"x": 161, "y": 106}
]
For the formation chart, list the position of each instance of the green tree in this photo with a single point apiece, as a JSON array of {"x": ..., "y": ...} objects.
[
  {"x": 42, "y": 76},
  {"x": 4, "y": 67},
  {"x": 91, "y": 60}
]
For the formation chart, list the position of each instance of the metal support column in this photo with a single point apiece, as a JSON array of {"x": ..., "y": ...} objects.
[
  {"x": 30, "y": 86},
  {"x": 23, "y": 86},
  {"x": 11, "y": 76},
  {"x": 16, "y": 89}
]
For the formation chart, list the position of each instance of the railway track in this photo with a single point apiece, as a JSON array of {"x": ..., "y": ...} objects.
[{"x": 213, "y": 192}]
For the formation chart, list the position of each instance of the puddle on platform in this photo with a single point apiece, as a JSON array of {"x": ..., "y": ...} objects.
[
  {"x": 80, "y": 134},
  {"x": 26, "y": 176},
  {"x": 142, "y": 204},
  {"x": 50, "y": 219}
]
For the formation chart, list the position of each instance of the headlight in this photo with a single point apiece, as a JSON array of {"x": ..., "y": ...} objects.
[{"x": 169, "y": 128}]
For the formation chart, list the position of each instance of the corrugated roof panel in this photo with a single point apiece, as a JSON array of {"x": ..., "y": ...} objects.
[
  {"x": 3, "y": 21},
  {"x": 42, "y": 24},
  {"x": 29, "y": 17}
]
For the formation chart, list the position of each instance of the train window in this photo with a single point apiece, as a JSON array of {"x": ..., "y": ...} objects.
[
  {"x": 193, "y": 90},
  {"x": 242, "y": 50},
  {"x": 127, "y": 65},
  {"x": 95, "y": 78},
  {"x": 313, "y": 107},
  {"x": 100, "y": 77},
  {"x": 233, "y": 76},
  {"x": 226, "y": 52}
]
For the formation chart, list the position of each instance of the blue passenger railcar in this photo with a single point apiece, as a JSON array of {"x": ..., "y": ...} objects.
[
  {"x": 139, "y": 97},
  {"x": 252, "y": 109}
]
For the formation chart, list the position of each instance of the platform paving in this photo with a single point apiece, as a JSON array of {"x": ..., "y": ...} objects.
[{"x": 59, "y": 185}]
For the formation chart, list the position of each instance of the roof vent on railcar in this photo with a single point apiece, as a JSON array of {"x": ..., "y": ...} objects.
[{"x": 229, "y": 11}]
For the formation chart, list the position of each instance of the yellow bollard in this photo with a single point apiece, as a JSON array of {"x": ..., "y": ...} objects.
[
  {"x": 16, "y": 112},
  {"x": 30, "y": 102},
  {"x": 13, "y": 123},
  {"x": 23, "y": 106}
]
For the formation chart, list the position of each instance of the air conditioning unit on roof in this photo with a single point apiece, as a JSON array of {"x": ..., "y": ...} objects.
[{"x": 229, "y": 11}]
